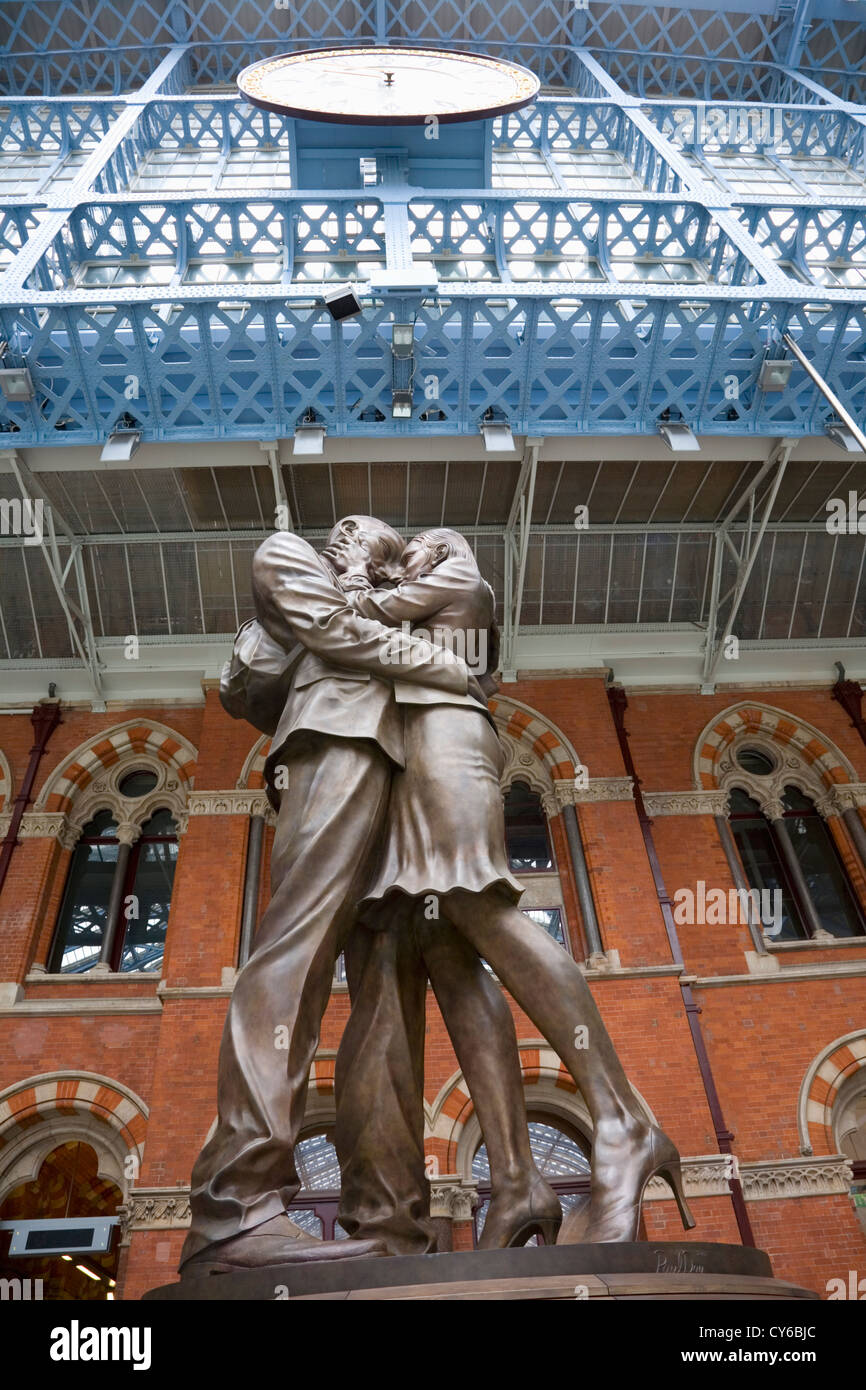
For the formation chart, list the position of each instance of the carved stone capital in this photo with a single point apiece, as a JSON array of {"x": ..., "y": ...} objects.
[
  {"x": 772, "y": 807},
  {"x": 704, "y": 1175},
  {"x": 236, "y": 802},
  {"x": 771, "y": 1179},
  {"x": 451, "y": 1198},
  {"x": 154, "y": 1209},
  {"x": 52, "y": 825},
  {"x": 127, "y": 832},
  {"x": 689, "y": 803},
  {"x": 605, "y": 789},
  {"x": 848, "y": 796}
]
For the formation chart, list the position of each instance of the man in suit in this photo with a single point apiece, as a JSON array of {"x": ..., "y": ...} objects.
[{"x": 335, "y": 741}]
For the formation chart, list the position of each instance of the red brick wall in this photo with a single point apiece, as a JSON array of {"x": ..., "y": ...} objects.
[{"x": 761, "y": 1035}]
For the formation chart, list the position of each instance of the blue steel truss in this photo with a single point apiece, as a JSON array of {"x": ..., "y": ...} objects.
[{"x": 192, "y": 303}]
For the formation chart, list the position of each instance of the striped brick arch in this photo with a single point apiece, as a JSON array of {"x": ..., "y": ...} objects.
[
  {"x": 105, "y": 750},
  {"x": 820, "y": 1089},
  {"x": 525, "y": 727},
  {"x": 449, "y": 1114},
  {"x": 5, "y": 782},
  {"x": 826, "y": 761},
  {"x": 252, "y": 776},
  {"x": 38, "y": 1114}
]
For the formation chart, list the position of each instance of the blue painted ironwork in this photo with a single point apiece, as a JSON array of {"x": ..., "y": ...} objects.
[{"x": 190, "y": 299}]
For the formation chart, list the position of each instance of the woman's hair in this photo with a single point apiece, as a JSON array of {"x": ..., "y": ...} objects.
[{"x": 455, "y": 543}]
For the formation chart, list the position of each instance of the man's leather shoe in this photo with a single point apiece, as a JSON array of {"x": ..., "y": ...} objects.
[{"x": 275, "y": 1242}]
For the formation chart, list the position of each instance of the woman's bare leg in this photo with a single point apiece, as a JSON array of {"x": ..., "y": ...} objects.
[
  {"x": 551, "y": 989},
  {"x": 481, "y": 1029}
]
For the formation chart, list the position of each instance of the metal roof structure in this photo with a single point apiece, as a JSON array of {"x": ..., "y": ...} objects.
[{"x": 689, "y": 189}]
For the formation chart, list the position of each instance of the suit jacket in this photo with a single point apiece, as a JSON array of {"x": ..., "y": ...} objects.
[{"x": 310, "y": 663}]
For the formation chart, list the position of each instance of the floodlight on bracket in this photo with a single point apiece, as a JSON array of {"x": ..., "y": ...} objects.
[
  {"x": 679, "y": 437},
  {"x": 122, "y": 442},
  {"x": 496, "y": 433},
  {"x": 775, "y": 374},
  {"x": 309, "y": 434}
]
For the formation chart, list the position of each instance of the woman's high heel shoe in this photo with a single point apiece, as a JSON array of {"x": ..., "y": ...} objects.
[
  {"x": 620, "y": 1173},
  {"x": 513, "y": 1223}
]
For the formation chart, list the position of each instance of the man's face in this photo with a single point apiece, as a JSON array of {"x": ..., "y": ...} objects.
[{"x": 360, "y": 551}]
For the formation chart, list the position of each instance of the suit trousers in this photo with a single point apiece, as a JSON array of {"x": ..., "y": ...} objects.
[{"x": 329, "y": 824}]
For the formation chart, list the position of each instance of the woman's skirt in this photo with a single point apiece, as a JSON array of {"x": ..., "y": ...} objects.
[{"x": 446, "y": 826}]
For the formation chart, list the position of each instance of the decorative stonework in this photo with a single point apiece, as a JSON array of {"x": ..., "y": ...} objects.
[
  {"x": 775, "y": 1179},
  {"x": 532, "y": 734},
  {"x": 832, "y": 1067},
  {"x": 252, "y": 776},
  {"x": 97, "y": 765},
  {"x": 154, "y": 1209},
  {"x": 707, "y": 1175},
  {"x": 689, "y": 803},
  {"x": 230, "y": 803},
  {"x": 449, "y": 1197},
  {"x": 605, "y": 789},
  {"x": 802, "y": 756},
  {"x": 847, "y": 796},
  {"x": 40, "y": 1111}
]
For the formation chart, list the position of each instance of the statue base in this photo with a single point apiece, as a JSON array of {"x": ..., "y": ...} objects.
[{"x": 644, "y": 1270}]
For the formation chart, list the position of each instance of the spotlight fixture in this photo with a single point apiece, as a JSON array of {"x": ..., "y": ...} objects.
[
  {"x": 309, "y": 436},
  {"x": 402, "y": 339},
  {"x": 16, "y": 383},
  {"x": 775, "y": 374},
  {"x": 342, "y": 304},
  {"x": 497, "y": 436},
  {"x": 844, "y": 438},
  {"x": 120, "y": 446},
  {"x": 678, "y": 437},
  {"x": 401, "y": 404}
]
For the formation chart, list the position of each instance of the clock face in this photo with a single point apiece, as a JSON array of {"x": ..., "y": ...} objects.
[{"x": 387, "y": 86}]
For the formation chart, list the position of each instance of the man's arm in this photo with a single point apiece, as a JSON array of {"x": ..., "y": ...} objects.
[
  {"x": 297, "y": 601},
  {"x": 414, "y": 600}
]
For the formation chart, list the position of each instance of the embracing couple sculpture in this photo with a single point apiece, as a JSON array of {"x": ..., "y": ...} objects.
[{"x": 389, "y": 845}]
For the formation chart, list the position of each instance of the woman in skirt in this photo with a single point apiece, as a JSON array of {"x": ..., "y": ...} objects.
[{"x": 446, "y": 846}]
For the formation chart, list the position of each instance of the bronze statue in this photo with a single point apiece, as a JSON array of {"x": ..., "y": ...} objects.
[
  {"x": 321, "y": 680},
  {"x": 393, "y": 806}
]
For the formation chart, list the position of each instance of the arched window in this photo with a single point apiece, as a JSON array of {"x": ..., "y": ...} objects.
[
  {"x": 794, "y": 854},
  {"x": 561, "y": 1155},
  {"x": 315, "y": 1207},
  {"x": 829, "y": 887},
  {"x": 118, "y": 894},
  {"x": 68, "y": 1185},
  {"x": 526, "y": 834}
]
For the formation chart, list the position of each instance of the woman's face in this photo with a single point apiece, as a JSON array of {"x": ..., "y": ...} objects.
[{"x": 415, "y": 560}]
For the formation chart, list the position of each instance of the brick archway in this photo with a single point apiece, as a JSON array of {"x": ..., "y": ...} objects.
[
  {"x": 523, "y": 726},
  {"x": 750, "y": 717},
  {"x": 821, "y": 1085},
  {"x": 38, "y": 1113},
  {"x": 103, "y": 751},
  {"x": 252, "y": 775}
]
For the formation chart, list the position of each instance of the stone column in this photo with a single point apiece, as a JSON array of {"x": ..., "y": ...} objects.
[
  {"x": 127, "y": 834},
  {"x": 579, "y": 866},
  {"x": 736, "y": 868},
  {"x": 773, "y": 810}
]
